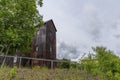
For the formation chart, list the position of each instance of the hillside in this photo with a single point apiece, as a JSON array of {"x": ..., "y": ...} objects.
[{"x": 38, "y": 73}]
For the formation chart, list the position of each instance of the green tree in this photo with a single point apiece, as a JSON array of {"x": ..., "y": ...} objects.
[
  {"x": 65, "y": 63},
  {"x": 89, "y": 64},
  {"x": 109, "y": 63},
  {"x": 104, "y": 63},
  {"x": 18, "y": 22}
]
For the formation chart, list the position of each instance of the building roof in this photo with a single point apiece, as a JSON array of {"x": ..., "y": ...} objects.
[{"x": 51, "y": 21}]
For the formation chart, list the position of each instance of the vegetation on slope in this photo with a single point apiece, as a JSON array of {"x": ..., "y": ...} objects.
[
  {"x": 103, "y": 63},
  {"x": 38, "y": 73}
]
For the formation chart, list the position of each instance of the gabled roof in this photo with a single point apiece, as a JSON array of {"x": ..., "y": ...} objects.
[{"x": 51, "y": 21}]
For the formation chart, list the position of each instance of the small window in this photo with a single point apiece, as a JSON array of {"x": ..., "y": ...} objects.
[
  {"x": 51, "y": 49},
  {"x": 37, "y": 48},
  {"x": 38, "y": 32}
]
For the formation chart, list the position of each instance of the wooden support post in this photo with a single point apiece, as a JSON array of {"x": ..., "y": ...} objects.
[
  {"x": 51, "y": 64},
  {"x": 20, "y": 62}
]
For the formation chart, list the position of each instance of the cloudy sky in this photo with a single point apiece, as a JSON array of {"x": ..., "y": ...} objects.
[{"x": 83, "y": 24}]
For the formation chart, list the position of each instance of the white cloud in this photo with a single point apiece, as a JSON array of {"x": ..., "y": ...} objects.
[{"x": 89, "y": 8}]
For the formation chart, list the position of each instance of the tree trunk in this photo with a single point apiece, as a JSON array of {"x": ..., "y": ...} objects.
[
  {"x": 1, "y": 52},
  {"x": 5, "y": 56}
]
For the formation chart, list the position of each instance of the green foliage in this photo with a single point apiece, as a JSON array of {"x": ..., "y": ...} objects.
[
  {"x": 18, "y": 22},
  {"x": 42, "y": 74},
  {"x": 65, "y": 63},
  {"x": 13, "y": 72},
  {"x": 104, "y": 63},
  {"x": 108, "y": 62},
  {"x": 90, "y": 64},
  {"x": 40, "y": 2},
  {"x": 74, "y": 65}
]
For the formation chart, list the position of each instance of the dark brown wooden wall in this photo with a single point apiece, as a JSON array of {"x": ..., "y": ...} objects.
[{"x": 44, "y": 43}]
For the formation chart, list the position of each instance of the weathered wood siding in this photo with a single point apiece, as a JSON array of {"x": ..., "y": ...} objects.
[{"x": 44, "y": 43}]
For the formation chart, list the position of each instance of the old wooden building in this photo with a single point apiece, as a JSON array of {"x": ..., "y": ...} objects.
[{"x": 44, "y": 44}]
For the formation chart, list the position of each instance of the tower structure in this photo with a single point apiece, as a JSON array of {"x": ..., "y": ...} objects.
[{"x": 44, "y": 43}]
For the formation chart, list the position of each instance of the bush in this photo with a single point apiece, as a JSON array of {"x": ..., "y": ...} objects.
[{"x": 64, "y": 64}]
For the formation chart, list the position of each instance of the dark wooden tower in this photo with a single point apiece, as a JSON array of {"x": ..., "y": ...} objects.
[{"x": 44, "y": 43}]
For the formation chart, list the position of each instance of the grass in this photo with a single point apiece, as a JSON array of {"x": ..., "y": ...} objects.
[{"x": 38, "y": 73}]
